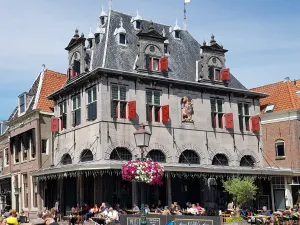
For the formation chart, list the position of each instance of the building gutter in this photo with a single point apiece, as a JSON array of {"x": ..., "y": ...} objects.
[{"x": 154, "y": 78}]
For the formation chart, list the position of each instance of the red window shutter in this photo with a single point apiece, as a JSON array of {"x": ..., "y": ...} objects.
[
  {"x": 225, "y": 74},
  {"x": 54, "y": 124},
  {"x": 255, "y": 123},
  {"x": 165, "y": 113},
  {"x": 229, "y": 120},
  {"x": 219, "y": 74},
  {"x": 150, "y": 112},
  {"x": 150, "y": 61},
  {"x": 164, "y": 63},
  {"x": 117, "y": 110},
  {"x": 132, "y": 110},
  {"x": 215, "y": 120}
]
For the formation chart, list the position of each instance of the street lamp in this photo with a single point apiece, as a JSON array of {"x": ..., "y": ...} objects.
[{"x": 142, "y": 139}]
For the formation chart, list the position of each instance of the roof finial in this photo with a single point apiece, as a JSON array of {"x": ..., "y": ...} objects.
[
  {"x": 176, "y": 26},
  {"x": 137, "y": 12},
  {"x": 163, "y": 32},
  {"x": 212, "y": 41},
  {"x": 121, "y": 22},
  {"x": 91, "y": 35},
  {"x": 110, "y": 4},
  {"x": 76, "y": 35}
]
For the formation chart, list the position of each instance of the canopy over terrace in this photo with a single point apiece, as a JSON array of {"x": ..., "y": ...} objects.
[{"x": 105, "y": 166}]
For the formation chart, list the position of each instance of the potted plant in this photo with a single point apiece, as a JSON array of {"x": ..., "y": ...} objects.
[{"x": 242, "y": 191}]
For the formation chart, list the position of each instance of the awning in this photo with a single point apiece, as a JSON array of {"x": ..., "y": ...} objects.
[
  {"x": 114, "y": 167},
  {"x": 5, "y": 176}
]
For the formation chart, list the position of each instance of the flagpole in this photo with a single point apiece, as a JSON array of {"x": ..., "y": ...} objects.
[{"x": 184, "y": 19}]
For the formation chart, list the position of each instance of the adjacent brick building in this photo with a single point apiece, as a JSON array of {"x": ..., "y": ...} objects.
[
  {"x": 280, "y": 135},
  {"x": 27, "y": 142}
]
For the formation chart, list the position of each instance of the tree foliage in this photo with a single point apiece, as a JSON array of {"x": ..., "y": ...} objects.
[{"x": 242, "y": 189}]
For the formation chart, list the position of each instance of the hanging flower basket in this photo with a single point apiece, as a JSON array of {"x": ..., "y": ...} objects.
[{"x": 143, "y": 171}]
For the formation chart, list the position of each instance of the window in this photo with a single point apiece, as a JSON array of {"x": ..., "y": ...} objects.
[
  {"x": 16, "y": 151},
  {"x": 138, "y": 24},
  {"x": 279, "y": 145},
  {"x": 25, "y": 187},
  {"x": 44, "y": 149},
  {"x": 215, "y": 73},
  {"x": 189, "y": 157},
  {"x": 216, "y": 112},
  {"x": 247, "y": 160},
  {"x": 86, "y": 155},
  {"x": 166, "y": 49},
  {"x": 92, "y": 103},
  {"x": 76, "y": 110},
  {"x": 6, "y": 157},
  {"x": 244, "y": 117},
  {"x": 22, "y": 105},
  {"x": 119, "y": 101},
  {"x": 156, "y": 156},
  {"x": 102, "y": 20},
  {"x": 66, "y": 159},
  {"x": 63, "y": 115},
  {"x": 32, "y": 143},
  {"x": 152, "y": 63},
  {"x": 177, "y": 34},
  {"x": 121, "y": 154},
  {"x": 35, "y": 193},
  {"x": 278, "y": 183},
  {"x": 23, "y": 151},
  {"x": 269, "y": 108},
  {"x": 220, "y": 160},
  {"x": 153, "y": 105},
  {"x": 122, "y": 39}
]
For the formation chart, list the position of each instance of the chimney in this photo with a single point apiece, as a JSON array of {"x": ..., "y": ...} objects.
[{"x": 286, "y": 79}]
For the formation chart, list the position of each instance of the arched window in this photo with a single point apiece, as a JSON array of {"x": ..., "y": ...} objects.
[
  {"x": 220, "y": 160},
  {"x": 247, "y": 160},
  {"x": 156, "y": 155},
  {"x": 120, "y": 153},
  {"x": 189, "y": 157},
  {"x": 66, "y": 159},
  {"x": 86, "y": 156}
]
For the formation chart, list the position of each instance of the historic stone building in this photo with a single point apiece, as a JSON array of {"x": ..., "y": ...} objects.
[
  {"x": 204, "y": 123},
  {"x": 26, "y": 145},
  {"x": 280, "y": 136}
]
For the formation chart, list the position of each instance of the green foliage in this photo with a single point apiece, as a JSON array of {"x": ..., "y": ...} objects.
[
  {"x": 234, "y": 219},
  {"x": 242, "y": 190}
]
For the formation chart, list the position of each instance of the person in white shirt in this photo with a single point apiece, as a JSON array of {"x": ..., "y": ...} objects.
[{"x": 112, "y": 216}]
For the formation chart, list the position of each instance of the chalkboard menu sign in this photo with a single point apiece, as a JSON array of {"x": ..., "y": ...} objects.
[
  {"x": 190, "y": 221},
  {"x": 263, "y": 200},
  {"x": 136, "y": 221}
]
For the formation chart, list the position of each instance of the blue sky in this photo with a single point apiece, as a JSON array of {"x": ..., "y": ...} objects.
[{"x": 262, "y": 36}]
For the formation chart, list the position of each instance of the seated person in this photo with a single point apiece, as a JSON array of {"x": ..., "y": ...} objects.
[
  {"x": 266, "y": 215},
  {"x": 103, "y": 207},
  {"x": 135, "y": 207},
  {"x": 147, "y": 210},
  {"x": 112, "y": 216},
  {"x": 193, "y": 210},
  {"x": 12, "y": 219},
  {"x": 230, "y": 208},
  {"x": 38, "y": 220},
  {"x": 75, "y": 217},
  {"x": 200, "y": 209},
  {"x": 286, "y": 214},
  {"x": 166, "y": 211},
  {"x": 92, "y": 212}
]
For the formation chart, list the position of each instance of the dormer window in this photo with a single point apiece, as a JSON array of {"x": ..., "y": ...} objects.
[
  {"x": 138, "y": 24},
  {"x": 269, "y": 108},
  {"x": 177, "y": 34},
  {"x": 215, "y": 73},
  {"x": 152, "y": 63},
  {"x": 102, "y": 20},
  {"x": 166, "y": 49},
  {"x": 122, "y": 39},
  {"x": 22, "y": 105}
]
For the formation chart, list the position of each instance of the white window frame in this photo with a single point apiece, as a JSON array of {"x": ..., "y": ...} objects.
[
  {"x": 245, "y": 116},
  {"x": 119, "y": 39},
  {"x": 218, "y": 113},
  {"x": 30, "y": 149},
  {"x": 155, "y": 105},
  {"x": 216, "y": 75},
  {"x": 23, "y": 193},
  {"x": 276, "y": 150},
  {"x": 19, "y": 106},
  {"x": 22, "y": 153},
  {"x": 78, "y": 102},
  {"x": 270, "y": 108},
  {"x": 179, "y": 34},
  {"x": 47, "y": 146},
  {"x": 64, "y": 106},
  {"x": 119, "y": 100},
  {"x": 32, "y": 193},
  {"x": 6, "y": 157},
  {"x": 15, "y": 153},
  {"x": 94, "y": 98}
]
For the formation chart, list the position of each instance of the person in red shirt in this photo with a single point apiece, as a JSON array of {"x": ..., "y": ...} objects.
[{"x": 92, "y": 212}]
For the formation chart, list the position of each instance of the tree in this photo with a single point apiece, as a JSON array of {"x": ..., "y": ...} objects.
[{"x": 242, "y": 190}]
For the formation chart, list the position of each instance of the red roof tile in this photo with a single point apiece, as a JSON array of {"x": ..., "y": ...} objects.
[
  {"x": 52, "y": 81},
  {"x": 282, "y": 95}
]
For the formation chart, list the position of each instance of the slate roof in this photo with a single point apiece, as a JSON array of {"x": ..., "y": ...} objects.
[
  {"x": 281, "y": 94},
  {"x": 183, "y": 53},
  {"x": 47, "y": 82}
]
